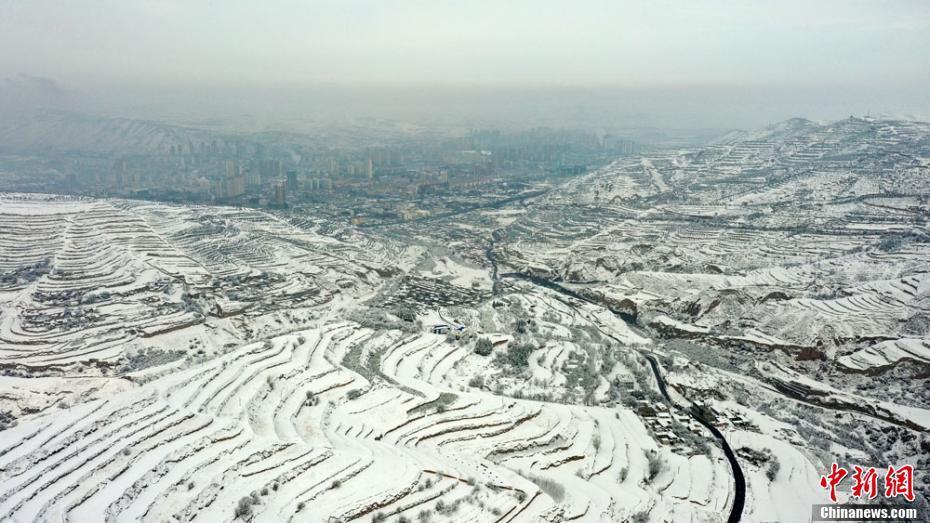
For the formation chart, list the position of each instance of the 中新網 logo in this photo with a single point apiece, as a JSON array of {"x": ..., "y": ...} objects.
[{"x": 897, "y": 481}]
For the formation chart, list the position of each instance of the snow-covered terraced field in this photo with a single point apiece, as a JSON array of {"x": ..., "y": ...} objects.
[
  {"x": 83, "y": 279},
  {"x": 284, "y": 420},
  {"x": 204, "y": 373},
  {"x": 805, "y": 244},
  {"x": 678, "y": 336}
]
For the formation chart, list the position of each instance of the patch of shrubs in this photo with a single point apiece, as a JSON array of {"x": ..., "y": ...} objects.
[
  {"x": 517, "y": 355},
  {"x": 483, "y": 347}
]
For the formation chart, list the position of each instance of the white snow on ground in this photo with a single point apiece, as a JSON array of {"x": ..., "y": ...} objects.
[
  {"x": 459, "y": 274},
  {"x": 915, "y": 415},
  {"x": 887, "y": 353},
  {"x": 265, "y": 367}
]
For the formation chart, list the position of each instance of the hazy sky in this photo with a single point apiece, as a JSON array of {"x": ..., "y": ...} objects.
[
  {"x": 877, "y": 47},
  {"x": 475, "y": 41}
]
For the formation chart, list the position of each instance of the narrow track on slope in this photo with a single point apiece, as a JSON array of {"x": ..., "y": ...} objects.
[
  {"x": 739, "y": 480},
  {"x": 739, "y": 498}
]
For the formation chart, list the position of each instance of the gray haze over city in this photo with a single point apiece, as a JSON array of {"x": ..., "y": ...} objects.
[
  {"x": 683, "y": 64},
  {"x": 442, "y": 261}
]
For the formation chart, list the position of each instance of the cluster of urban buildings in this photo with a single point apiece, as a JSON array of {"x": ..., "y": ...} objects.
[{"x": 405, "y": 177}]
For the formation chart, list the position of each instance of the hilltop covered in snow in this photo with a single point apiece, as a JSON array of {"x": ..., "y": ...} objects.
[{"x": 682, "y": 335}]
